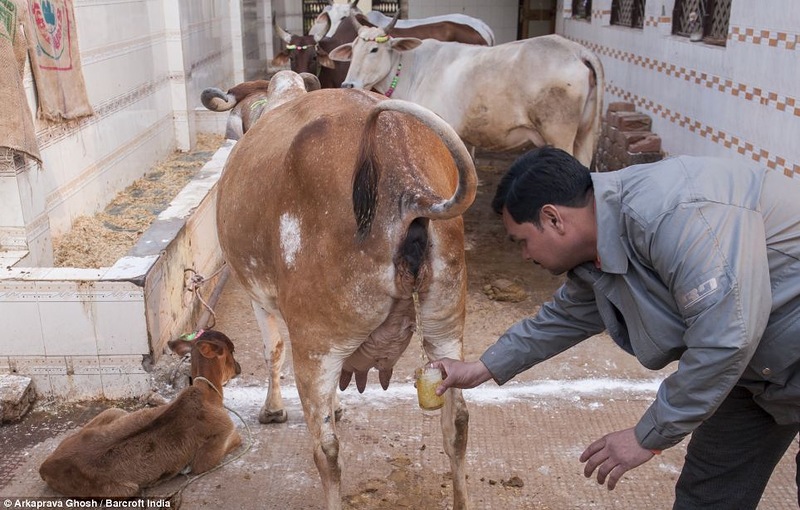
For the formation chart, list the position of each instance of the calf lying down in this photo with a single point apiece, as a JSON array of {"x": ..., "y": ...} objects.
[{"x": 118, "y": 453}]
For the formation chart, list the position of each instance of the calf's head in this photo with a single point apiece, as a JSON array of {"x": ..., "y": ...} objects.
[{"x": 211, "y": 353}]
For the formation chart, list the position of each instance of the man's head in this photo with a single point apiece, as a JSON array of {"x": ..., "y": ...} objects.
[{"x": 547, "y": 205}]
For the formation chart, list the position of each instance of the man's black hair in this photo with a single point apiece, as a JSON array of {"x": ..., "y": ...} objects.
[{"x": 542, "y": 176}]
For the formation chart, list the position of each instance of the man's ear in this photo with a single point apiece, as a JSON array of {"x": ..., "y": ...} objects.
[{"x": 551, "y": 217}]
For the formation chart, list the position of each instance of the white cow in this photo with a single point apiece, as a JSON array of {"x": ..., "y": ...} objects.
[
  {"x": 336, "y": 13},
  {"x": 541, "y": 91}
]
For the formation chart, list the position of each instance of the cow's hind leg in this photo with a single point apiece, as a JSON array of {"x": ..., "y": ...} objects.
[
  {"x": 274, "y": 352},
  {"x": 455, "y": 427},
  {"x": 316, "y": 384}
]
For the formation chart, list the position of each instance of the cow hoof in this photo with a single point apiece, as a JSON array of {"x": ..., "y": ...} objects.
[{"x": 272, "y": 416}]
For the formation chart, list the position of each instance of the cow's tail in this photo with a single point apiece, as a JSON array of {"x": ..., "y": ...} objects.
[
  {"x": 218, "y": 101},
  {"x": 593, "y": 112},
  {"x": 365, "y": 183}
]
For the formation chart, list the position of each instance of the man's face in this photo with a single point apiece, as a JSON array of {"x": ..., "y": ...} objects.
[{"x": 546, "y": 246}]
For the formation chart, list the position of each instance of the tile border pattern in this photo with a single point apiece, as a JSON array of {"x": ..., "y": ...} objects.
[
  {"x": 770, "y": 38},
  {"x": 781, "y": 103},
  {"x": 744, "y": 148}
]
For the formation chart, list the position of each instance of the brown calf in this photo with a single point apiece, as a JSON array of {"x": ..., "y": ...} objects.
[{"x": 118, "y": 453}]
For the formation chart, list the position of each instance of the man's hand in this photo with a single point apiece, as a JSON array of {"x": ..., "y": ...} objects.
[
  {"x": 460, "y": 374},
  {"x": 614, "y": 454}
]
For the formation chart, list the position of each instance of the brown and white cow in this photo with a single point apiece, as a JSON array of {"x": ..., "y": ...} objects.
[
  {"x": 118, "y": 453},
  {"x": 540, "y": 91},
  {"x": 332, "y": 213},
  {"x": 328, "y": 21},
  {"x": 247, "y": 101}
]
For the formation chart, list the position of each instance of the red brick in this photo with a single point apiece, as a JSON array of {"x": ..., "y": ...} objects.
[
  {"x": 621, "y": 106},
  {"x": 644, "y": 157},
  {"x": 632, "y": 121},
  {"x": 650, "y": 143},
  {"x": 624, "y": 139}
]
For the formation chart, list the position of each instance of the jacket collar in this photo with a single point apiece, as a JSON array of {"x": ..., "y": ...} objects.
[{"x": 608, "y": 209}]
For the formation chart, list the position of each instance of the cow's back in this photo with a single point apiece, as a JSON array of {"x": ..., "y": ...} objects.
[{"x": 285, "y": 206}]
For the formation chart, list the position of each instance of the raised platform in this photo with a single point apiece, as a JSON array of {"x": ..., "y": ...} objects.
[{"x": 95, "y": 333}]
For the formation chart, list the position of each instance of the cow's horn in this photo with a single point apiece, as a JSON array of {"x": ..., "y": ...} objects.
[
  {"x": 283, "y": 34},
  {"x": 353, "y": 4},
  {"x": 388, "y": 28}
]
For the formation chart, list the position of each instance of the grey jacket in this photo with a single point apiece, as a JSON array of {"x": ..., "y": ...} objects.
[{"x": 700, "y": 262}]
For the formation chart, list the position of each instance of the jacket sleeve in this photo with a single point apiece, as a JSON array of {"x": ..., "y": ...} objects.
[
  {"x": 713, "y": 259},
  {"x": 571, "y": 317}
]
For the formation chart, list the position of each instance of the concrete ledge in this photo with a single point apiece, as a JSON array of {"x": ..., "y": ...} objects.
[{"x": 17, "y": 395}]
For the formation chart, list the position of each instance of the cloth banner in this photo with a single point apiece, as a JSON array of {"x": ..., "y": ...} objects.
[
  {"x": 16, "y": 123},
  {"x": 55, "y": 60}
]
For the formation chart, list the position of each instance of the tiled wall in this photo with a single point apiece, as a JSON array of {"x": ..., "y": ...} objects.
[
  {"x": 145, "y": 63},
  {"x": 737, "y": 101},
  {"x": 500, "y": 15}
]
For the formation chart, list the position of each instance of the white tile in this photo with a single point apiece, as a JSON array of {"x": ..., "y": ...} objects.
[
  {"x": 120, "y": 328},
  {"x": 125, "y": 385},
  {"x": 129, "y": 268},
  {"x": 22, "y": 330},
  {"x": 83, "y": 365},
  {"x": 61, "y": 274},
  {"x": 38, "y": 366},
  {"x": 68, "y": 327},
  {"x": 76, "y": 387}
]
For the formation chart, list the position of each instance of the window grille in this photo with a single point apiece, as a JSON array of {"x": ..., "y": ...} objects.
[
  {"x": 627, "y": 13},
  {"x": 705, "y": 20},
  {"x": 311, "y": 9},
  {"x": 387, "y": 8},
  {"x": 582, "y": 9}
]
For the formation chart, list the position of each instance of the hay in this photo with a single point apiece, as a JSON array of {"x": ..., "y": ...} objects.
[{"x": 99, "y": 240}]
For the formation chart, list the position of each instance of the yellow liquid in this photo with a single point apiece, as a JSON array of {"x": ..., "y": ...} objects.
[{"x": 427, "y": 381}]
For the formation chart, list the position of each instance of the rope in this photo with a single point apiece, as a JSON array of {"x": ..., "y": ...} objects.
[
  {"x": 418, "y": 332},
  {"x": 175, "y": 498},
  {"x": 197, "y": 281}
]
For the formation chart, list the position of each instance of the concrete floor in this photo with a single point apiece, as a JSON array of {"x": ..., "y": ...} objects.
[
  {"x": 533, "y": 429},
  {"x": 524, "y": 442}
]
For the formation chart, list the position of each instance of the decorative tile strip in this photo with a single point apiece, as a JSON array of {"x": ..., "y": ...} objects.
[
  {"x": 717, "y": 136},
  {"x": 767, "y": 98}
]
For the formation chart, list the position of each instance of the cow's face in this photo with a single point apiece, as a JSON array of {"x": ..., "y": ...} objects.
[
  {"x": 302, "y": 55},
  {"x": 372, "y": 56},
  {"x": 331, "y": 17}
]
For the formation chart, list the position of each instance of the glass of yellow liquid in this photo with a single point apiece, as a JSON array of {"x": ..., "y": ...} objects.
[{"x": 428, "y": 378}]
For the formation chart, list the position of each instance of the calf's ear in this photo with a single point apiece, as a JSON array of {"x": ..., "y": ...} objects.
[
  {"x": 342, "y": 53},
  {"x": 210, "y": 350},
  {"x": 180, "y": 346}
]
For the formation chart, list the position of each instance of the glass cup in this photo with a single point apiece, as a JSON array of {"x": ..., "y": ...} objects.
[{"x": 427, "y": 379}]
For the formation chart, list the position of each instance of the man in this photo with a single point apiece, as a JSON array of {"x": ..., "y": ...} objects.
[{"x": 690, "y": 259}]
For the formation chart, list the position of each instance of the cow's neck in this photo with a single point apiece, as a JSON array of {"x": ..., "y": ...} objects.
[
  {"x": 389, "y": 84},
  {"x": 395, "y": 78}
]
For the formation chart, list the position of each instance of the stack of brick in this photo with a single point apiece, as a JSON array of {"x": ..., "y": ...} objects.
[{"x": 626, "y": 139}]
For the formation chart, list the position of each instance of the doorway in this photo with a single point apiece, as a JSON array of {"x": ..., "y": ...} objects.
[{"x": 536, "y": 17}]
